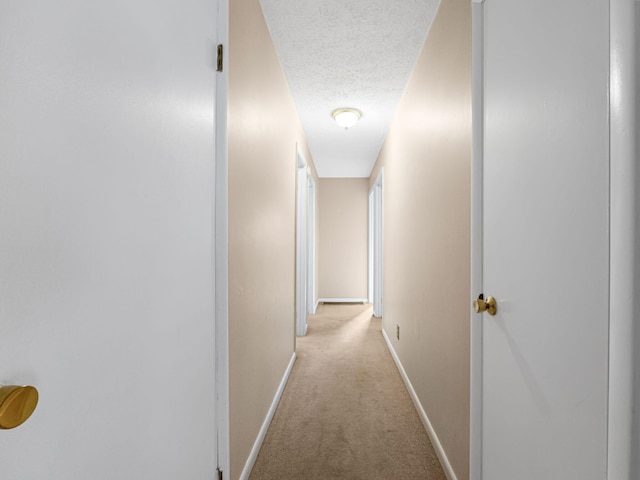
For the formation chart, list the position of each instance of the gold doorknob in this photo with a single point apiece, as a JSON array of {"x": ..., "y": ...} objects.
[
  {"x": 489, "y": 305},
  {"x": 16, "y": 405}
]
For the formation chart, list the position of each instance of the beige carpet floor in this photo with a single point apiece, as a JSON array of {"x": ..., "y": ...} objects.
[{"x": 345, "y": 412}]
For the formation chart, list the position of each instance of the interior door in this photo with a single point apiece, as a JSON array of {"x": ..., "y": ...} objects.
[
  {"x": 106, "y": 244},
  {"x": 545, "y": 239}
]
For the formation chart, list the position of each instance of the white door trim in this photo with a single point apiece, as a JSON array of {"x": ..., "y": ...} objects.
[
  {"x": 311, "y": 244},
  {"x": 302, "y": 190},
  {"x": 370, "y": 247},
  {"x": 221, "y": 257},
  {"x": 377, "y": 245},
  {"x": 622, "y": 346}
]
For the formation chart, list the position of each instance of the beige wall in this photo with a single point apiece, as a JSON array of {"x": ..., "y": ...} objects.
[
  {"x": 263, "y": 132},
  {"x": 426, "y": 159},
  {"x": 342, "y": 237}
]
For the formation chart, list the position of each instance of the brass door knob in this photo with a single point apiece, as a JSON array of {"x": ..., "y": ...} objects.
[
  {"x": 16, "y": 405},
  {"x": 489, "y": 305}
]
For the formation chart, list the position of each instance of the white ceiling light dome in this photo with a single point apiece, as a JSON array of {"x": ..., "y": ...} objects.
[{"x": 346, "y": 117}]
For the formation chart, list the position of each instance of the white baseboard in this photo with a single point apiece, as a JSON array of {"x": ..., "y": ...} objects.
[
  {"x": 248, "y": 466},
  {"x": 343, "y": 300},
  {"x": 437, "y": 446}
]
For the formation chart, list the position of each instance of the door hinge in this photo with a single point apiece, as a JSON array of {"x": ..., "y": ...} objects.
[
  {"x": 220, "y": 58},
  {"x": 219, "y": 473}
]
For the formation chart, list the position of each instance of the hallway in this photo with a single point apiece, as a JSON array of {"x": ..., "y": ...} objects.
[
  {"x": 345, "y": 412},
  {"x": 152, "y": 165}
]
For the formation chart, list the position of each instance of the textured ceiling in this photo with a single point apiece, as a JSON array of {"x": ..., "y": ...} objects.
[{"x": 347, "y": 53}]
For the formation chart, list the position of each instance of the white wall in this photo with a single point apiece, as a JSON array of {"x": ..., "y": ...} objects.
[{"x": 106, "y": 237}]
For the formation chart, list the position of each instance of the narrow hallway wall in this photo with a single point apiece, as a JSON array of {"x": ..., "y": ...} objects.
[
  {"x": 263, "y": 132},
  {"x": 427, "y": 177},
  {"x": 342, "y": 233}
]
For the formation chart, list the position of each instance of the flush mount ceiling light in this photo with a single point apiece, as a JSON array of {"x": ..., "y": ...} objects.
[{"x": 346, "y": 117}]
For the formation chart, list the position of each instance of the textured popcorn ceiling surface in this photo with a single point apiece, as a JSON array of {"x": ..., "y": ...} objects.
[{"x": 347, "y": 53}]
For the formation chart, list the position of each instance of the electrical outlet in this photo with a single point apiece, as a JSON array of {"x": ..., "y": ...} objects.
[{"x": 398, "y": 332}]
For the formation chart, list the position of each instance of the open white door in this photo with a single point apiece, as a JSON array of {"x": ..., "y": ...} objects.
[
  {"x": 107, "y": 117},
  {"x": 542, "y": 186}
]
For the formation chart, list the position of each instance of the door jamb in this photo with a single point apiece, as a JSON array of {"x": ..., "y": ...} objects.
[
  {"x": 301, "y": 242},
  {"x": 623, "y": 339},
  {"x": 370, "y": 244},
  {"x": 377, "y": 245},
  {"x": 311, "y": 244}
]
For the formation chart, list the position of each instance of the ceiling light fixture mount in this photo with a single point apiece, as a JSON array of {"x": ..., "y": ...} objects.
[{"x": 346, "y": 117}]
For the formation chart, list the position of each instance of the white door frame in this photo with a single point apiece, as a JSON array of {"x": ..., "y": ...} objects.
[
  {"x": 302, "y": 191},
  {"x": 311, "y": 244},
  {"x": 622, "y": 237},
  {"x": 622, "y": 312},
  {"x": 370, "y": 245},
  {"x": 376, "y": 245},
  {"x": 221, "y": 238}
]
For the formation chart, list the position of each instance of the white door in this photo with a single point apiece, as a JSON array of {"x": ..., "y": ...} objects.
[
  {"x": 545, "y": 240},
  {"x": 106, "y": 237}
]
